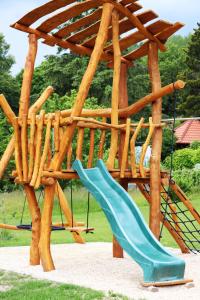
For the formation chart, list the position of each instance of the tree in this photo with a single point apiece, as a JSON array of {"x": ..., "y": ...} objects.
[
  {"x": 191, "y": 104},
  {"x": 9, "y": 86}
]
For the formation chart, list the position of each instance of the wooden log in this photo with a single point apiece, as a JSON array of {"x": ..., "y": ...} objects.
[
  {"x": 45, "y": 236},
  {"x": 46, "y": 181},
  {"x": 91, "y": 150},
  {"x": 31, "y": 145},
  {"x": 133, "y": 108},
  {"x": 123, "y": 103},
  {"x": 38, "y": 148},
  {"x": 68, "y": 214},
  {"x": 24, "y": 147},
  {"x": 117, "y": 249},
  {"x": 18, "y": 158},
  {"x": 28, "y": 75},
  {"x": 125, "y": 150},
  {"x": 102, "y": 141},
  {"x": 132, "y": 148},
  {"x": 7, "y": 109},
  {"x": 41, "y": 100},
  {"x": 155, "y": 177},
  {"x": 45, "y": 152},
  {"x": 56, "y": 131},
  {"x": 144, "y": 148},
  {"x": 79, "y": 145},
  {"x": 69, "y": 156},
  {"x": 115, "y": 90},
  {"x": 9, "y": 227},
  {"x": 79, "y": 224},
  {"x": 7, "y": 156},
  {"x": 85, "y": 83},
  {"x": 36, "y": 221}
]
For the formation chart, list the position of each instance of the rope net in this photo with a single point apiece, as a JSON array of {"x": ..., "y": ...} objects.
[{"x": 180, "y": 218}]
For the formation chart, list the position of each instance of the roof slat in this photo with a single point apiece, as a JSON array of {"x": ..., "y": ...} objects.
[
  {"x": 137, "y": 37},
  {"x": 42, "y": 11},
  {"x": 68, "y": 14},
  {"x": 163, "y": 36},
  {"x": 88, "y": 20},
  {"x": 93, "y": 29},
  {"x": 125, "y": 25}
]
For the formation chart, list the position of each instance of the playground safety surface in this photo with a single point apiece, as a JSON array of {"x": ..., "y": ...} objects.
[{"x": 91, "y": 265}]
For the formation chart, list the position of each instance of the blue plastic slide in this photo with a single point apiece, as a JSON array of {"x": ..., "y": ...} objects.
[{"x": 129, "y": 227}]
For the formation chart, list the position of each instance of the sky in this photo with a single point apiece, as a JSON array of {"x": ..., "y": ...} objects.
[{"x": 187, "y": 12}]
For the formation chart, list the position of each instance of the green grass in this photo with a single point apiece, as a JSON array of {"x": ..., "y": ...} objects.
[
  {"x": 26, "y": 288},
  {"x": 11, "y": 205}
]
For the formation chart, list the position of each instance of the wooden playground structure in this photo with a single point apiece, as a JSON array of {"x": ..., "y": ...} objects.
[{"x": 116, "y": 33}]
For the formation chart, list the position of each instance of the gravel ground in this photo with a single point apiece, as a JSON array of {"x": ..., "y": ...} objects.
[{"x": 91, "y": 265}]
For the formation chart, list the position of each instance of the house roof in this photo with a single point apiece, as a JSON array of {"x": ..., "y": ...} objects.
[
  {"x": 188, "y": 132},
  {"x": 76, "y": 26}
]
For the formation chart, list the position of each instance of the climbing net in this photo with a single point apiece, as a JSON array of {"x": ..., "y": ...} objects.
[{"x": 181, "y": 219}]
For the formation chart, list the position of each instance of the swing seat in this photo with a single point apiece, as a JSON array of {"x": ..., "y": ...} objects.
[{"x": 80, "y": 229}]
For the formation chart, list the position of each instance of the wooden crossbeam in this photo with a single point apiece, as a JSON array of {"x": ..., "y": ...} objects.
[
  {"x": 93, "y": 29},
  {"x": 66, "y": 15},
  {"x": 137, "y": 37},
  {"x": 42, "y": 11},
  {"x": 163, "y": 36},
  {"x": 124, "y": 26}
]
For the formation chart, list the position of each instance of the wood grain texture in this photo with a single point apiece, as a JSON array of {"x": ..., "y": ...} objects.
[
  {"x": 28, "y": 76},
  {"x": 36, "y": 221},
  {"x": 38, "y": 148},
  {"x": 7, "y": 155},
  {"x": 155, "y": 178},
  {"x": 45, "y": 236},
  {"x": 125, "y": 149},
  {"x": 9, "y": 113},
  {"x": 132, "y": 148},
  {"x": 115, "y": 90},
  {"x": 18, "y": 157},
  {"x": 32, "y": 145},
  {"x": 24, "y": 147}
]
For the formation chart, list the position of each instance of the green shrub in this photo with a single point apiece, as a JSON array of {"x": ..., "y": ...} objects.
[
  {"x": 188, "y": 180},
  {"x": 195, "y": 145},
  {"x": 184, "y": 158}
]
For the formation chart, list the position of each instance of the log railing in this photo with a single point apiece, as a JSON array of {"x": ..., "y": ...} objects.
[{"x": 91, "y": 141}]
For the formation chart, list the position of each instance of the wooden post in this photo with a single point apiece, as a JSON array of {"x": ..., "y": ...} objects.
[
  {"x": 7, "y": 156},
  {"x": 45, "y": 236},
  {"x": 115, "y": 89},
  {"x": 68, "y": 214},
  {"x": 27, "y": 76},
  {"x": 85, "y": 83},
  {"x": 36, "y": 219},
  {"x": 123, "y": 102},
  {"x": 155, "y": 176}
]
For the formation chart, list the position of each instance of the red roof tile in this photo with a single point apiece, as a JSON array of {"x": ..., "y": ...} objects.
[{"x": 188, "y": 132}]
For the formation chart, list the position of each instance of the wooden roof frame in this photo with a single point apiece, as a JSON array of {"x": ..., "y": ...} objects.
[{"x": 74, "y": 36}]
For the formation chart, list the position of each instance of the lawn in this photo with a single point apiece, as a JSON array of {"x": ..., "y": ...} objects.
[
  {"x": 11, "y": 207},
  {"x": 21, "y": 287}
]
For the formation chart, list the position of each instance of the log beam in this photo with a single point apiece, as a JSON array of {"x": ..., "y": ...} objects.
[
  {"x": 155, "y": 176},
  {"x": 36, "y": 221},
  {"x": 85, "y": 83}
]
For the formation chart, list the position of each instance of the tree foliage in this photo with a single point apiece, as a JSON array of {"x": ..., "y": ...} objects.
[
  {"x": 9, "y": 86},
  {"x": 191, "y": 104}
]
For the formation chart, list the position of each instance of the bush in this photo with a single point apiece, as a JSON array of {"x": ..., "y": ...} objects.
[
  {"x": 195, "y": 145},
  {"x": 184, "y": 158},
  {"x": 188, "y": 180}
]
